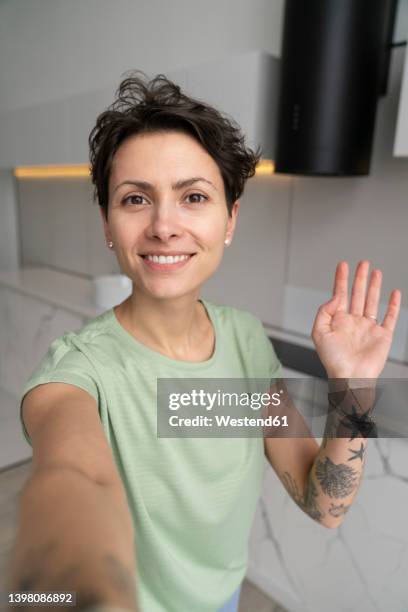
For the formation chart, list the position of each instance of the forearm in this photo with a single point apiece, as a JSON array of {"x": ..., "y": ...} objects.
[
  {"x": 335, "y": 475},
  {"x": 74, "y": 535}
]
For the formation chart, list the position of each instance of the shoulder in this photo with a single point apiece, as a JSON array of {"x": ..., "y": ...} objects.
[
  {"x": 70, "y": 355},
  {"x": 72, "y": 341},
  {"x": 236, "y": 319},
  {"x": 97, "y": 327}
]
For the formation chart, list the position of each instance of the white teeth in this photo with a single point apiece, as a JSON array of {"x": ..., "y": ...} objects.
[{"x": 167, "y": 259}]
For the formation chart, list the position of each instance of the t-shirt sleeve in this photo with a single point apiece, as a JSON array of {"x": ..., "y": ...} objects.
[{"x": 63, "y": 362}]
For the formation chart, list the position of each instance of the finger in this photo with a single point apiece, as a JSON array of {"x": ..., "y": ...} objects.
[
  {"x": 391, "y": 316},
  {"x": 358, "y": 291},
  {"x": 373, "y": 294},
  {"x": 340, "y": 285}
]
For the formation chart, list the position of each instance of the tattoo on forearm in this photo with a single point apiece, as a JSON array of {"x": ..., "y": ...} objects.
[
  {"x": 338, "y": 510},
  {"x": 307, "y": 502},
  {"x": 358, "y": 454},
  {"x": 310, "y": 499},
  {"x": 336, "y": 480},
  {"x": 331, "y": 429}
]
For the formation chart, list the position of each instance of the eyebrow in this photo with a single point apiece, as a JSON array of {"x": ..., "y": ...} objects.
[{"x": 178, "y": 185}]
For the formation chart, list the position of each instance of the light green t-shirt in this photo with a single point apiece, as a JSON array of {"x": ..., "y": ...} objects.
[{"x": 192, "y": 500}]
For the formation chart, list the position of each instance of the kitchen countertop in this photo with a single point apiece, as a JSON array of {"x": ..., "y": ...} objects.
[{"x": 67, "y": 291}]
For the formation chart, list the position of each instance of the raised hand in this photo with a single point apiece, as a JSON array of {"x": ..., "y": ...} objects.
[{"x": 349, "y": 341}]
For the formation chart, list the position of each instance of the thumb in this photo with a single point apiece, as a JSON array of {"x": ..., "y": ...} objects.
[
  {"x": 325, "y": 314},
  {"x": 331, "y": 306}
]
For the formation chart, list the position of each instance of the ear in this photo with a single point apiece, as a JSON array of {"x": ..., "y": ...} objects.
[{"x": 232, "y": 220}]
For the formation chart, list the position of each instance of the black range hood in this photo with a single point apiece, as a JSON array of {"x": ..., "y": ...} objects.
[{"x": 334, "y": 66}]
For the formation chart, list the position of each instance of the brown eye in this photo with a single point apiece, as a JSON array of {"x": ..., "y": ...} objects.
[
  {"x": 200, "y": 195},
  {"x": 130, "y": 199}
]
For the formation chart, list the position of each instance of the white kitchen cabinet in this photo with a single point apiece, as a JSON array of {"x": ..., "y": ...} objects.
[
  {"x": 243, "y": 86},
  {"x": 401, "y": 134}
]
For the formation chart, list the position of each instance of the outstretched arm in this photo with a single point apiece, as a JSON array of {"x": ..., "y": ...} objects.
[{"x": 73, "y": 535}]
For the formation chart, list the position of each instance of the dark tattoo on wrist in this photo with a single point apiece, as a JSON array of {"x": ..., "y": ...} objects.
[
  {"x": 359, "y": 424},
  {"x": 336, "y": 480},
  {"x": 358, "y": 454},
  {"x": 350, "y": 410},
  {"x": 338, "y": 510},
  {"x": 307, "y": 502}
]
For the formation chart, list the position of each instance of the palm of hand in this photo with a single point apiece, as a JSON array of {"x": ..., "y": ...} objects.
[{"x": 352, "y": 344}]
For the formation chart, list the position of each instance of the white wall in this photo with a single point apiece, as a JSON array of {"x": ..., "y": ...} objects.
[{"x": 51, "y": 49}]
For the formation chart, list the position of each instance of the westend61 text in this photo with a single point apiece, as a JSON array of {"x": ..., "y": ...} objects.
[{"x": 227, "y": 421}]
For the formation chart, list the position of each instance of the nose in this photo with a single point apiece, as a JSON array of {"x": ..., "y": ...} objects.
[{"x": 164, "y": 222}]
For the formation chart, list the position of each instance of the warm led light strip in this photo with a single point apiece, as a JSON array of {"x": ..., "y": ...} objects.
[
  {"x": 265, "y": 166},
  {"x": 81, "y": 170}
]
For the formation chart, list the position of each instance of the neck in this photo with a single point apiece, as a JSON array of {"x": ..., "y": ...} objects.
[{"x": 173, "y": 327}]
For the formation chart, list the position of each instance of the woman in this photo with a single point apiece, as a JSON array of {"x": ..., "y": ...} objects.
[{"x": 168, "y": 173}]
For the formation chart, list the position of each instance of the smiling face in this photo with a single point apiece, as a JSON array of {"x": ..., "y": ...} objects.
[{"x": 155, "y": 208}]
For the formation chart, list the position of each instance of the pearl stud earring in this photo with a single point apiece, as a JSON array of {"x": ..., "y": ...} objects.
[
  {"x": 226, "y": 241},
  {"x": 110, "y": 244}
]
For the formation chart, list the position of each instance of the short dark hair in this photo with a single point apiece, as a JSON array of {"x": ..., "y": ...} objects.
[{"x": 143, "y": 106}]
